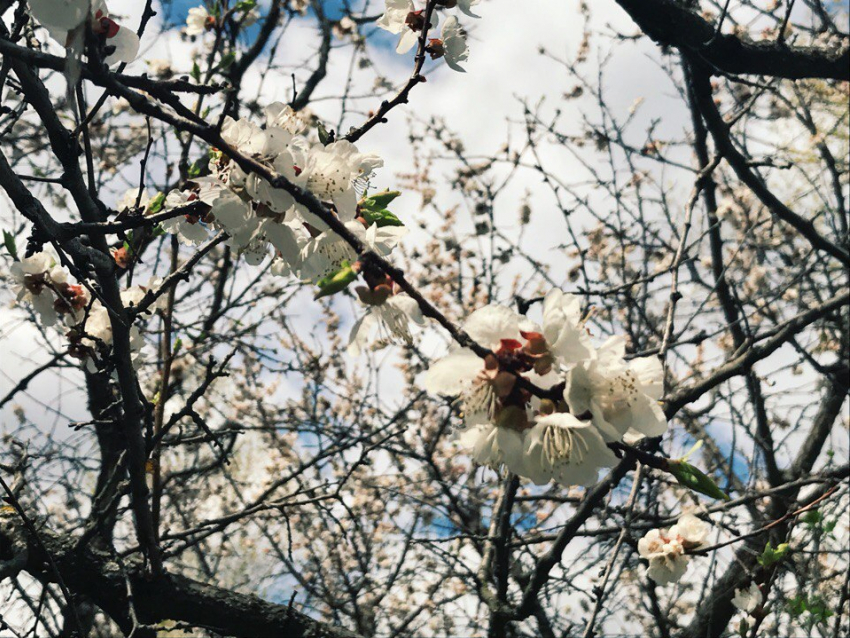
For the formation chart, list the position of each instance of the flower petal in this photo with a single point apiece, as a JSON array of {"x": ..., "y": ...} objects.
[{"x": 453, "y": 372}]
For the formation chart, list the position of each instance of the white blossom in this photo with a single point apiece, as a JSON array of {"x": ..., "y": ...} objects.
[
  {"x": 62, "y": 15},
  {"x": 621, "y": 396},
  {"x": 455, "y": 49},
  {"x": 62, "y": 18},
  {"x": 188, "y": 228},
  {"x": 665, "y": 549},
  {"x": 562, "y": 448},
  {"x": 460, "y": 369},
  {"x": 691, "y": 530},
  {"x": 255, "y": 214},
  {"x": 243, "y": 135},
  {"x": 605, "y": 398},
  {"x": 563, "y": 328},
  {"x": 232, "y": 214},
  {"x": 494, "y": 446},
  {"x": 197, "y": 21},
  {"x": 33, "y": 279},
  {"x": 401, "y": 17},
  {"x": 747, "y": 600},
  {"x": 666, "y": 555},
  {"x": 466, "y": 7},
  {"x": 128, "y": 200},
  {"x": 289, "y": 239},
  {"x": 280, "y": 115},
  {"x": 324, "y": 254},
  {"x": 330, "y": 174},
  {"x": 385, "y": 322},
  {"x": 93, "y": 333},
  {"x": 258, "y": 216}
]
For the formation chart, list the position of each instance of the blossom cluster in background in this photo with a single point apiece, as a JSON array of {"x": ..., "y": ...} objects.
[
  {"x": 200, "y": 20},
  {"x": 545, "y": 403}
]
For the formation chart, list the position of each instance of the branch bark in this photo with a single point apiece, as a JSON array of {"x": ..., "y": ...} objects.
[
  {"x": 670, "y": 23},
  {"x": 96, "y": 575}
]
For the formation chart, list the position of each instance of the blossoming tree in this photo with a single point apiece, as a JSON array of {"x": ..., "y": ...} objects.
[{"x": 281, "y": 359}]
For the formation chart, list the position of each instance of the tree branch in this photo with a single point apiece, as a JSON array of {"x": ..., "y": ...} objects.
[{"x": 670, "y": 23}]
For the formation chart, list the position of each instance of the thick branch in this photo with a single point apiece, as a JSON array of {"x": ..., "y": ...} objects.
[
  {"x": 670, "y": 23},
  {"x": 95, "y": 575}
]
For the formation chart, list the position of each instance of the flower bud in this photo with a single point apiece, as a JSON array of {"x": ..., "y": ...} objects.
[{"x": 415, "y": 20}]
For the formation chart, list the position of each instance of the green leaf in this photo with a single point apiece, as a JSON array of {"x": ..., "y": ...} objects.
[
  {"x": 324, "y": 136},
  {"x": 374, "y": 209},
  {"x": 226, "y": 60},
  {"x": 772, "y": 555},
  {"x": 818, "y": 609},
  {"x": 695, "y": 479},
  {"x": 335, "y": 282},
  {"x": 797, "y": 605},
  {"x": 178, "y": 343},
  {"x": 381, "y": 217},
  {"x": 9, "y": 243},
  {"x": 379, "y": 200},
  {"x": 196, "y": 72},
  {"x": 156, "y": 203},
  {"x": 198, "y": 166},
  {"x": 812, "y": 518},
  {"x": 245, "y": 5}
]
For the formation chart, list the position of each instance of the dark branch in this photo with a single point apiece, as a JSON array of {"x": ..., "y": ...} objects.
[{"x": 669, "y": 23}]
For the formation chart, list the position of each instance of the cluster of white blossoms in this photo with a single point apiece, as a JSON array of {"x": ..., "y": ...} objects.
[
  {"x": 258, "y": 217},
  {"x": 261, "y": 220},
  {"x": 666, "y": 549},
  {"x": 402, "y": 17},
  {"x": 63, "y": 19},
  {"x": 42, "y": 282},
  {"x": 591, "y": 396}
]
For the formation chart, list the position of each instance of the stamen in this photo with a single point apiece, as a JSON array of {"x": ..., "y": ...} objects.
[
  {"x": 480, "y": 398},
  {"x": 563, "y": 445}
]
